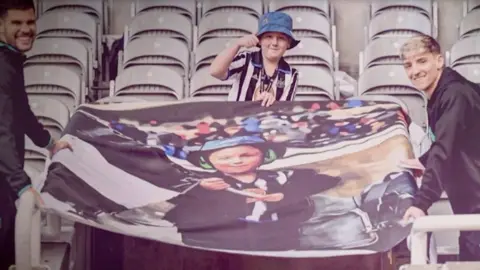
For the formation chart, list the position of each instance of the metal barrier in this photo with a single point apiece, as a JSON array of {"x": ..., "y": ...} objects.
[{"x": 423, "y": 225}]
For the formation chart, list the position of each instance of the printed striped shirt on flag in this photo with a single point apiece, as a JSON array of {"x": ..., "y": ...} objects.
[{"x": 245, "y": 72}]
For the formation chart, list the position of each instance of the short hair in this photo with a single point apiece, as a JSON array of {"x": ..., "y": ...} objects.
[
  {"x": 6, "y": 5},
  {"x": 422, "y": 41}
]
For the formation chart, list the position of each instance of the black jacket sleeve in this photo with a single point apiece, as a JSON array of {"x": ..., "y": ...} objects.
[
  {"x": 34, "y": 129},
  {"x": 455, "y": 107},
  {"x": 10, "y": 165}
]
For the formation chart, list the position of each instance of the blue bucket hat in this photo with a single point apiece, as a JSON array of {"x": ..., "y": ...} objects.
[{"x": 277, "y": 22}]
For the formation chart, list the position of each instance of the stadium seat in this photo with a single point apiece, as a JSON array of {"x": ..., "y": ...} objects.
[
  {"x": 314, "y": 83},
  {"x": 471, "y": 72},
  {"x": 226, "y": 24},
  {"x": 446, "y": 241},
  {"x": 70, "y": 24},
  {"x": 65, "y": 52},
  {"x": 204, "y": 85},
  {"x": 96, "y": 9},
  {"x": 53, "y": 114},
  {"x": 321, "y": 7},
  {"x": 160, "y": 23},
  {"x": 35, "y": 156},
  {"x": 465, "y": 51},
  {"x": 254, "y": 8},
  {"x": 381, "y": 51},
  {"x": 308, "y": 24},
  {"x": 473, "y": 4},
  {"x": 208, "y": 50},
  {"x": 313, "y": 52},
  {"x": 155, "y": 50},
  {"x": 470, "y": 24},
  {"x": 422, "y": 6},
  {"x": 55, "y": 82},
  {"x": 398, "y": 23},
  {"x": 186, "y": 8},
  {"x": 155, "y": 83},
  {"x": 392, "y": 80}
]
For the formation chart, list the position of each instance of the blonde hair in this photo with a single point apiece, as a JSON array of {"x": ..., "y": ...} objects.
[{"x": 420, "y": 42}]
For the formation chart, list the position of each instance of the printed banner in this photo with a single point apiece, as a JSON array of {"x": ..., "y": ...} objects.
[{"x": 297, "y": 179}]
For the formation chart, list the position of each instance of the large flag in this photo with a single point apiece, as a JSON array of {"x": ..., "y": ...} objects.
[{"x": 297, "y": 179}]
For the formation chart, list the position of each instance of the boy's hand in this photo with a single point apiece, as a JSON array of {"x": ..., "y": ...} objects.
[
  {"x": 267, "y": 99},
  {"x": 248, "y": 41},
  {"x": 413, "y": 213},
  {"x": 214, "y": 183}
]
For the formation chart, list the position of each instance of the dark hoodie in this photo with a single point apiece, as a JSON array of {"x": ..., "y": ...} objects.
[
  {"x": 16, "y": 120},
  {"x": 453, "y": 162}
]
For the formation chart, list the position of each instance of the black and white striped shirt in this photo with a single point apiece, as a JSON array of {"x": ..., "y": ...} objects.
[{"x": 245, "y": 71}]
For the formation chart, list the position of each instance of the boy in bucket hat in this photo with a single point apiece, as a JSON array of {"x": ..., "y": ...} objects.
[{"x": 261, "y": 75}]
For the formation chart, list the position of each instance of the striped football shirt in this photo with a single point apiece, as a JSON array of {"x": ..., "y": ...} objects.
[{"x": 245, "y": 72}]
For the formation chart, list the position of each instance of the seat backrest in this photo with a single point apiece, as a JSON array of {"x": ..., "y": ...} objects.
[
  {"x": 203, "y": 83},
  {"x": 61, "y": 51},
  {"x": 315, "y": 81},
  {"x": 56, "y": 82},
  {"x": 309, "y": 24},
  {"x": 161, "y": 23},
  {"x": 422, "y": 6},
  {"x": 382, "y": 98},
  {"x": 91, "y": 7},
  {"x": 470, "y": 24},
  {"x": 398, "y": 23},
  {"x": 52, "y": 113},
  {"x": 317, "y": 6},
  {"x": 311, "y": 51},
  {"x": 254, "y": 8},
  {"x": 393, "y": 80},
  {"x": 226, "y": 24},
  {"x": 154, "y": 50},
  {"x": 383, "y": 51},
  {"x": 473, "y": 4},
  {"x": 68, "y": 24},
  {"x": 186, "y": 8},
  {"x": 470, "y": 71},
  {"x": 207, "y": 50},
  {"x": 149, "y": 80},
  {"x": 465, "y": 50}
]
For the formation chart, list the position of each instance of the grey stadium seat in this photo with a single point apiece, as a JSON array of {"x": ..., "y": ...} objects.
[
  {"x": 422, "y": 6},
  {"x": 225, "y": 24},
  {"x": 398, "y": 23},
  {"x": 156, "y": 50},
  {"x": 392, "y": 80},
  {"x": 35, "y": 156},
  {"x": 315, "y": 83},
  {"x": 382, "y": 51},
  {"x": 155, "y": 83},
  {"x": 311, "y": 51},
  {"x": 53, "y": 114},
  {"x": 470, "y": 24},
  {"x": 70, "y": 24},
  {"x": 315, "y": 6},
  {"x": 471, "y": 72},
  {"x": 473, "y": 4},
  {"x": 465, "y": 51},
  {"x": 254, "y": 8},
  {"x": 160, "y": 23},
  {"x": 308, "y": 24},
  {"x": 210, "y": 48},
  {"x": 206, "y": 86},
  {"x": 55, "y": 82},
  {"x": 96, "y": 9},
  {"x": 186, "y": 8},
  {"x": 66, "y": 52}
]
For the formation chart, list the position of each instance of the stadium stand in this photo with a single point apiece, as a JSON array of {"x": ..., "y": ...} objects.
[{"x": 166, "y": 50}]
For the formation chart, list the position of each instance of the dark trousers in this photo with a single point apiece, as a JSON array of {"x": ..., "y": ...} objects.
[
  {"x": 469, "y": 245},
  {"x": 7, "y": 226}
]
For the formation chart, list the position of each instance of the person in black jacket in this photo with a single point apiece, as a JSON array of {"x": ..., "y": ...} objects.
[
  {"x": 452, "y": 164},
  {"x": 17, "y": 31}
]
